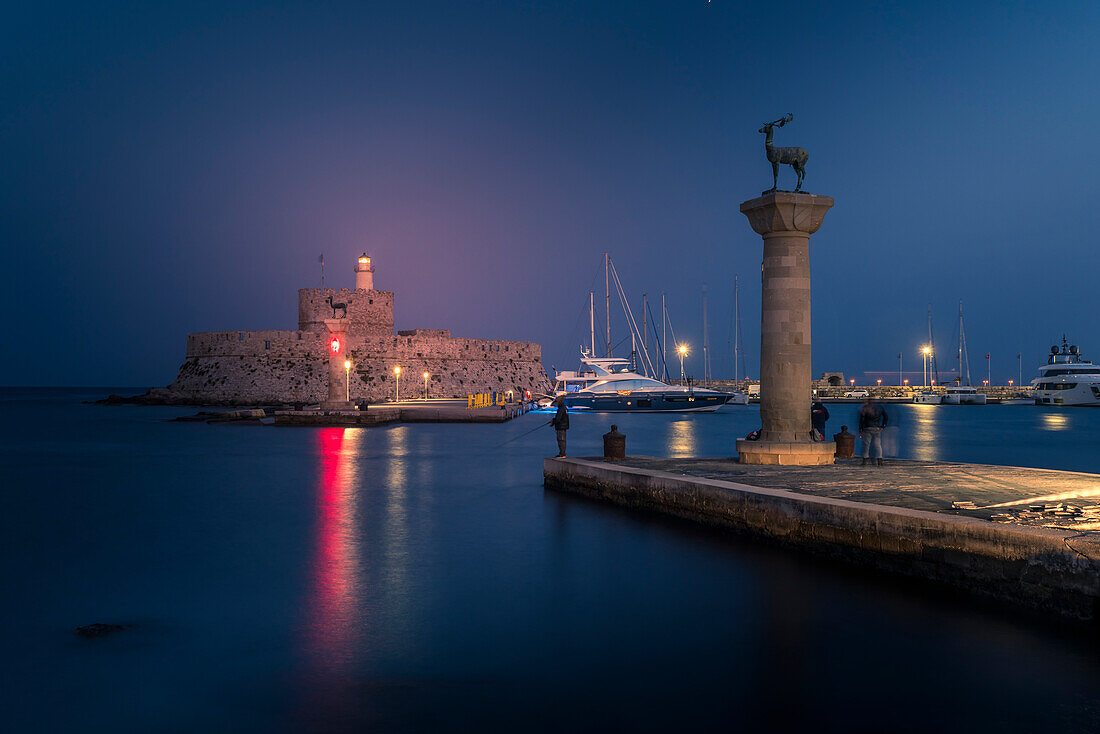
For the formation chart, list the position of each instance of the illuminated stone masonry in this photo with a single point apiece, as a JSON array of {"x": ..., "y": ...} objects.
[{"x": 274, "y": 367}]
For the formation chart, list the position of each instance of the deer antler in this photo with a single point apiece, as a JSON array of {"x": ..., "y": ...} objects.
[{"x": 781, "y": 121}]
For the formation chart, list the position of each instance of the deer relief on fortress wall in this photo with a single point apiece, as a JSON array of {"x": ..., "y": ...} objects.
[
  {"x": 794, "y": 157},
  {"x": 337, "y": 306}
]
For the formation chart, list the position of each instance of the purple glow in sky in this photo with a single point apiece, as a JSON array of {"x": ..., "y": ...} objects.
[{"x": 170, "y": 168}]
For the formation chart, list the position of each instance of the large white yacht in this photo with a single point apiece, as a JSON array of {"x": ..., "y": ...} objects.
[
  {"x": 1066, "y": 379},
  {"x": 610, "y": 385}
]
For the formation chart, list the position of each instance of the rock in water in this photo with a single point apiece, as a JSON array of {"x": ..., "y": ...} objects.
[{"x": 99, "y": 629}]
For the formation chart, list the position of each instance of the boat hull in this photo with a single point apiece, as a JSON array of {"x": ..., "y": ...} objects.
[
  {"x": 1079, "y": 393},
  {"x": 654, "y": 403},
  {"x": 969, "y": 399}
]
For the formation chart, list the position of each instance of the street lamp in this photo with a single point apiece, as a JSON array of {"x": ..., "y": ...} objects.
[
  {"x": 1010, "y": 383},
  {"x": 426, "y": 376},
  {"x": 905, "y": 382},
  {"x": 682, "y": 349},
  {"x": 926, "y": 351},
  {"x": 397, "y": 392},
  {"x": 879, "y": 382},
  {"x": 852, "y": 382},
  {"x": 347, "y": 380}
]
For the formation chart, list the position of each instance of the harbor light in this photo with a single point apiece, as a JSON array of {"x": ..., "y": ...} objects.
[
  {"x": 1010, "y": 383},
  {"x": 906, "y": 382},
  {"x": 682, "y": 349},
  {"x": 397, "y": 390},
  {"x": 926, "y": 350},
  {"x": 347, "y": 380},
  {"x": 852, "y": 382},
  {"x": 879, "y": 382},
  {"x": 426, "y": 376}
]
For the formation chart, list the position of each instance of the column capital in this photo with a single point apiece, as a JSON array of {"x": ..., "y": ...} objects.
[
  {"x": 336, "y": 326},
  {"x": 786, "y": 211}
]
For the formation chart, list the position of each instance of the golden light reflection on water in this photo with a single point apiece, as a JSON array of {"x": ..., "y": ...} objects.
[
  {"x": 682, "y": 439},
  {"x": 395, "y": 529},
  {"x": 925, "y": 436},
  {"x": 1055, "y": 422}
]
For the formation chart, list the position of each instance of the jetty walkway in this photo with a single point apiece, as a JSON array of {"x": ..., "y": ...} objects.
[
  {"x": 412, "y": 411},
  {"x": 1030, "y": 536}
]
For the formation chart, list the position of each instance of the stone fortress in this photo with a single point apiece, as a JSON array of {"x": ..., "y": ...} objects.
[{"x": 282, "y": 367}]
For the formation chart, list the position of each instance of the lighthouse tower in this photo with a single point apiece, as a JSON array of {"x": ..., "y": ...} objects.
[{"x": 364, "y": 274}]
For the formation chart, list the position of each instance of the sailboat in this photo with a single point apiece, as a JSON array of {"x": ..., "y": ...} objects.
[
  {"x": 960, "y": 394},
  {"x": 739, "y": 398},
  {"x": 928, "y": 396},
  {"x": 610, "y": 384}
]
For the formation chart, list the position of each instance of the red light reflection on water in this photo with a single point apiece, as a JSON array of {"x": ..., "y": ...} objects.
[{"x": 334, "y": 598}]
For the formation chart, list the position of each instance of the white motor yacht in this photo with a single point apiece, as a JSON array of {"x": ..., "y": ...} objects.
[
  {"x": 928, "y": 398},
  {"x": 1066, "y": 379},
  {"x": 610, "y": 385}
]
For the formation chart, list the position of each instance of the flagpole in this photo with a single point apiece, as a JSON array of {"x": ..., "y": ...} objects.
[{"x": 322, "y": 271}]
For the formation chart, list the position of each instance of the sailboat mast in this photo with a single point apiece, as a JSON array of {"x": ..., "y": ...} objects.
[
  {"x": 664, "y": 338},
  {"x": 706, "y": 340},
  {"x": 959, "y": 355},
  {"x": 932, "y": 347},
  {"x": 592, "y": 319},
  {"x": 736, "y": 323},
  {"x": 645, "y": 325},
  {"x": 607, "y": 290},
  {"x": 964, "y": 353}
]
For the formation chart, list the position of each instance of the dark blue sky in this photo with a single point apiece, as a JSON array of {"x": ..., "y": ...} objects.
[{"x": 169, "y": 168}]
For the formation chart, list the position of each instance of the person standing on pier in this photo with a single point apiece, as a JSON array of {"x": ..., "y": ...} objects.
[
  {"x": 560, "y": 422},
  {"x": 818, "y": 415},
  {"x": 872, "y": 419}
]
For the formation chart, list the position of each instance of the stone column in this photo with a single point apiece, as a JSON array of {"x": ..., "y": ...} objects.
[
  {"x": 785, "y": 220},
  {"x": 337, "y": 376}
]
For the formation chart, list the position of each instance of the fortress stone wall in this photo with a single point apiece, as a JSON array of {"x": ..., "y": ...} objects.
[
  {"x": 266, "y": 367},
  {"x": 370, "y": 313}
]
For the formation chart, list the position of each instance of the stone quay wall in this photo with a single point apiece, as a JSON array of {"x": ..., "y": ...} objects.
[{"x": 271, "y": 367}]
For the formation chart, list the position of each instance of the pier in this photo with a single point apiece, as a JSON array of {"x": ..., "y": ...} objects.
[
  {"x": 412, "y": 411},
  {"x": 1028, "y": 536}
]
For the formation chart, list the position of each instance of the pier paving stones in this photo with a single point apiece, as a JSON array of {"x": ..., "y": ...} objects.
[{"x": 984, "y": 491}]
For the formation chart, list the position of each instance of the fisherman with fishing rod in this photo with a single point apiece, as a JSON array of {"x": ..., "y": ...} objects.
[{"x": 560, "y": 422}]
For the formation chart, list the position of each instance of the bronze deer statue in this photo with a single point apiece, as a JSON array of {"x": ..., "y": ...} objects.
[
  {"x": 794, "y": 157},
  {"x": 335, "y": 306}
]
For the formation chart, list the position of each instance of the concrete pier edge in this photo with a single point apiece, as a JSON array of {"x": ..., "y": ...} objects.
[{"x": 1034, "y": 567}]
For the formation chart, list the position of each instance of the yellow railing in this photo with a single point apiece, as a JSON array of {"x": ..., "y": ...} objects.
[{"x": 486, "y": 400}]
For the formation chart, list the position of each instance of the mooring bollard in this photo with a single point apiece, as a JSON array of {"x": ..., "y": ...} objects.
[
  {"x": 614, "y": 445},
  {"x": 845, "y": 443}
]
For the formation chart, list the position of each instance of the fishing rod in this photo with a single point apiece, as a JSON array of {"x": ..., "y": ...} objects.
[{"x": 526, "y": 433}]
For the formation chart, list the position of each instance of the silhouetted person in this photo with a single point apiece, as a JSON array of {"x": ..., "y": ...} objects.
[
  {"x": 872, "y": 419},
  {"x": 818, "y": 415},
  {"x": 560, "y": 422}
]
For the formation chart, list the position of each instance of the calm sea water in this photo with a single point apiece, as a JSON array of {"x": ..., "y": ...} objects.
[{"x": 418, "y": 578}]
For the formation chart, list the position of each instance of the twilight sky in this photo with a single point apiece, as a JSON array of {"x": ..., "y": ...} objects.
[{"x": 175, "y": 167}]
